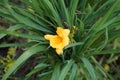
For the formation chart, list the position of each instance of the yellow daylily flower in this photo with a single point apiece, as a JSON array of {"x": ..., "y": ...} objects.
[{"x": 60, "y": 40}]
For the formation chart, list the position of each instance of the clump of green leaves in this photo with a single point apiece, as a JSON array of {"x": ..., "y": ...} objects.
[{"x": 93, "y": 26}]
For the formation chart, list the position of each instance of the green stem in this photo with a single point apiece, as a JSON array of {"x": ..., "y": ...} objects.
[{"x": 63, "y": 58}]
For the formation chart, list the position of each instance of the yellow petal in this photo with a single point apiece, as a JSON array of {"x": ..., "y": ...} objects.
[
  {"x": 56, "y": 42},
  {"x": 59, "y": 31},
  {"x": 66, "y": 32},
  {"x": 59, "y": 51},
  {"x": 48, "y": 37},
  {"x": 62, "y": 32},
  {"x": 66, "y": 41}
]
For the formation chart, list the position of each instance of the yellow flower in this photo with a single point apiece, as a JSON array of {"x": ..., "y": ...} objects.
[
  {"x": 106, "y": 67},
  {"x": 10, "y": 64},
  {"x": 60, "y": 40},
  {"x": 11, "y": 51}
]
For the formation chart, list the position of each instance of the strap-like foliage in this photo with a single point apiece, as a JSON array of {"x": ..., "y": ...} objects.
[{"x": 94, "y": 25}]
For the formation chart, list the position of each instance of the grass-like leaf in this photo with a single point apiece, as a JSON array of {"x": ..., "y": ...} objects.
[
  {"x": 12, "y": 28},
  {"x": 27, "y": 54},
  {"x": 37, "y": 68},
  {"x": 73, "y": 72},
  {"x": 90, "y": 68},
  {"x": 21, "y": 34},
  {"x": 56, "y": 72},
  {"x": 65, "y": 70}
]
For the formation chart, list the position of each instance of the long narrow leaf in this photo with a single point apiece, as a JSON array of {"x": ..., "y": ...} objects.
[
  {"x": 56, "y": 72},
  {"x": 73, "y": 72},
  {"x": 12, "y": 28},
  {"x": 21, "y": 34},
  {"x": 89, "y": 68},
  {"x": 27, "y": 54},
  {"x": 38, "y": 68},
  {"x": 65, "y": 70}
]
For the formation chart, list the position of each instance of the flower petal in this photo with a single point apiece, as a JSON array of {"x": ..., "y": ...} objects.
[
  {"x": 66, "y": 41},
  {"x": 66, "y": 32},
  {"x": 62, "y": 32},
  {"x": 55, "y": 41},
  {"x": 48, "y": 37},
  {"x": 59, "y": 51},
  {"x": 59, "y": 31}
]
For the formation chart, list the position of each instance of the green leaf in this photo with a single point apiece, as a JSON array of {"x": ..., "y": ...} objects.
[
  {"x": 100, "y": 23},
  {"x": 32, "y": 16},
  {"x": 12, "y": 44},
  {"x": 74, "y": 44},
  {"x": 81, "y": 26},
  {"x": 21, "y": 35},
  {"x": 27, "y": 21},
  {"x": 49, "y": 8},
  {"x": 89, "y": 68},
  {"x": 104, "y": 72},
  {"x": 65, "y": 70},
  {"x": 12, "y": 28},
  {"x": 113, "y": 35},
  {"x": 27, "y": 54},
  {"x": 37, "y": 68},
  {"x": 26, "y": 2},
  {"x": 56, "y": 72},
  {"x": 100, "y": 9},
  {"x": 84, "y": 72},
  {"x": 41, "y": 65},
  {"x": 64, "y": 13},
  {"x": 36, "y": 6},
  {"x": 73, "y": 72},
  {"x": 110, "y": 51},
  {"x": 47, "y": 73},
  {"x": 73, "y": 6}
]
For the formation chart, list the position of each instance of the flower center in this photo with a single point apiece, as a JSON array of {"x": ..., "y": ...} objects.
[{"x": 58, "y": 40}]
